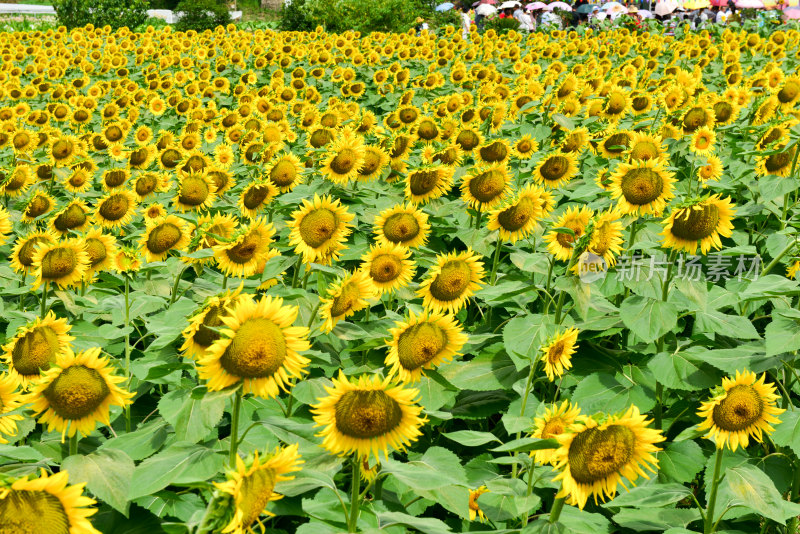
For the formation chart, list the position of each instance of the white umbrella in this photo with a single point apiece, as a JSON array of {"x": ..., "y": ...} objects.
[
  {"x": 665, "y": 7},
  {"x": 485, "y": 10},
  {"x": 609, "y": 5},
  {"x": 645, "y": 14},
  {"x": 559, "y": 5},
  {"x": 508, "y": 4}
]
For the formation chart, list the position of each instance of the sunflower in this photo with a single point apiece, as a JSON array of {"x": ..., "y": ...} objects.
[
  {"x": 5, "y": 225},
  {"x": 154, "y": 211},
  {"x": 345, "y": 297},
  {"x": 777, "y": 164},
  {"x": 367, "y": 416},
  {"x": 485, "y": 187},
  {"x": 222, "y": 179},
  {"x": 251, "y": 489},
  {"x": 79, "y": 181},
  {"x": 319, "y": 229},
  {"x": 525, "y": 147},
  {"x": 163, "y": 235},
  {"x": 35, "y": 347},
  {"x": 17, "y": 181},
  {"x": 793, "y": 270},
  {"x": 560, "y": 244},
  {"x": 494, "y": 153},
  {"x": 64, "y": 263},
  {"x": 643, "y": 147},
  {"x": 71, "y": 218},
  {"x": 516, "y": 219},
  {"x": 575, "y": 141},
  {"x": 594, "y": 456},
  {"x": 789, "y": 93},
  {"x": 64, "y": 149},
  {"x": 703, "y": 141},
  {"x": 700, "y": 223},
  {"x": 696, "y": 118},
  {"x": 201, "y": 332},
  {"x": 449, "y": 283},
  {"x": 557, "y": 354},
  {"x": 423, "y": 342},
  {"x": 256, "y": 196},
  {"x": 127, "y": 260},
  {"x": 642, "y": 187},
  {"x": 606, "y": 239},
  {"x": 10, "y": 400},
  {"x": 25, "y": 247},
  {"x": 402, "y": 225},
  {"x": 45, "y": 504},
  {"x": 148, "y": 183},
  {"x": 712, "y": 170},
  {"x": 285, "y": 172},
  {"x": 77, "y": 392},
  {"x": 114, "y": 178},
  {"x": 259, "y": 348},
  {"x": 208, "y": 232},
  {"x": 555, "y": 169},
  {"x": 475, "y": 511},
  {"x": 101, "y": 249},
  {"x": 428, "y": 183},
  {"x": 555, "y": 421},
  {"x": 388, "y": 267},
  {"x": 616, "y": 104},
  {"x": 615, "y": 144},
  {"x": 375, "y": 160},
  {"x": 744, "y": 407},
  {"x": 196, "y": 192},
  {"x": 344, "y": 158},
  {"x": 40, "y": 204},
  {"x": 241, "y": 255},
  {"x": 115, "y": 209}
]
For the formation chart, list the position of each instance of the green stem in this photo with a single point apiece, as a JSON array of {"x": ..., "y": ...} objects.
[
  {"x": 305, "y": 277},
  {"x": 203, "y": 528},
  {"x": 555, "y": 511},
  {"x": 777, "y": 258},
  {"x": 355, "y": 488},
  {"x": 296, "y": 271},
  {"x": 73, "y": 444},
  {"x": 712, "y": 497},
  {"x": 43, "y": 304},
  {"x": 224, "y": 282},
  {"x": 127, "y": 349},
  {"x": 522, "y": 410},
  {"x": 528, "y": 491},
  {"x": 563, "y": 293},
  {"x": 496, "y": 261},
  {"x": 174, "y": 296},
  {"x": 478, "y": 219},
  {"x": 289, "y": 404},
  {"x": 237, "y": 406},
  {"x": 793, "y": 496}
]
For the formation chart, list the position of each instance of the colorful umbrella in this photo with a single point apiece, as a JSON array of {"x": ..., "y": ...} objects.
[
  {"x": 645, "y": 14},
  {"x": 444, "y": 7},
  {"x": 719, "y": 3},
  {"x": 665, "y": 7},
  {"x": 698, "y": 4},
  {"x": 585, "y": 8},
  {"x": 559, "y": 5},
  {"x": 485, "y": 10},
  {"x": 792, "y": 13},
  {"x": 749, "y": 4},
  {"x": 612, "y": 5},
  {"x": 536, "y": 5}
]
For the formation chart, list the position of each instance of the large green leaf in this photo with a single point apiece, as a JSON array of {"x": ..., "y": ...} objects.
[
  {"x": 437, "y": 467},
  {"x": 648, "y": 318},
  {"x": 193, "y": 413},
  {"x": 107, "y": 474},
  {"x": 650, "y": 496},
  {"x": 181, "y": 463},
  {"x": 751, "y": 488},
  {"x": 787, "y": 432},
  {"x": 680, "y": 370},
  {"x": 142, "y": 442},
  {"x": 783, "y": 333},
  {"x": 487, "y": 371},
  {"x": 680, "y": 461},
  {"x": 471, "y": 438},
  {"x": 602, "y": 392}
]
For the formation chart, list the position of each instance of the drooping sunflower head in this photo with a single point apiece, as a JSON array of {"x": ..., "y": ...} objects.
[
  {"x": 202, "y": 329},
  {"x": 319, "y": 229},
  {"x": 253, "y": 488},
  {"x": 402, "y": 225},
  {"x": 556, "y": 420},
  {"x": 642, "y": 187},
  {"x": 345, "y": 297},
  {"x": 495, "y": 152},
  {"x": 615, "y": 144},
  {"x": 35, "y": 347},
  {"x": 451, "y": 281},
  {"x": 259, "y": 348},
  {"x": 517, "y": 218},
  {"x": 101, "y": 249},
  {"x": 475, "y": 511},
  {"x": 776, "y": 164},
  {"x": 46, "y": 504},
  {"x": 375, "y": 160},
  {"x": 115, "y": 178},
  {"x": 593, "y": 458},
  {"x": 645, "y": 147},
  {"x": 697, "y": 117},
  {"x": 575, "y": 141},
  {"x": 423, "y": 342},
  {"x": 78, "y": 392},
  {"x": 701, "y": 223},
  {"x": 115, "y": 209},
  {"x": 745, "y": 407},
  {"x": 16, "y": 182},
  {"x": 163, "y": 235},
  {"x": 555, "y": 169},
  {"x": 240, "y": 256},
  {"x": 367, "y": 416},
  {"x": 428, "y": 183},
  {"x": 71, "y": 218},
  {"x": 39, "y": 204},
  {"x": 485, "y": 187},
  {"x": 557, "y": 354},
  {"x": 148, "y": 183},
  {"x": 63, "y": 263},
  {"x": 256, "y": 197},
  {"x": 561, "y": 244}
]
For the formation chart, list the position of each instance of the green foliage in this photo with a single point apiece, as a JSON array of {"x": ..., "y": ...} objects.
[
  {"x": 364, "y": 16},
  {"x": 295, "y": 17},
  {"x": 502, "y": 26},
  {"x": 114, "y": 13},
  {"x": 201, "y": 15}
]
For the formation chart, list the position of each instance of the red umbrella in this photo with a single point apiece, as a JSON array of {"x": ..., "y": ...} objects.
[
  {"x": 488, "y": 1},
  {"x": 719, "y": 3}
]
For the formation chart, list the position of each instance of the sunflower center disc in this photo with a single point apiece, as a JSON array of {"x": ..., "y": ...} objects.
[
  {"x": 644, "y": 151},
  {"x": 552, "y": 428},
  {"x": 320, "y": 138},
  {"x": 32, "y": 512},
  {"x": 204, "y": 335},
  {"x": 344, "y": 161},
  {"x": 642, "y": 186},
  {"x": 76, "y": 392},
  {"x": 723, "y": 111},
  {"x": 420, "y": 344},
  {"x": 138, "y": 156},
  {"x": 615, "y": 104},
  {"x": 555, "y": 168},
  {"x": 62, "y": 149},
  {"x": 422, "y": 182},
  {"x": 639, "y": 103},
  {"x": 194, "y": 191},
  {"x": 72, "y": 218},
  {"x": 777, "y": 162},
  {"x": 487, "y": 186},
  {"x": 617, "y": 143},
  {"x": 566, "y": 240},
  {"x": 244, "y": 251},
  {"x": 494, "y": 152},
  {"x": 96, "y": 250},
  {"x": 254, "y": 196},
  {"x": 256, "y": 351},
  {"x": 370, "y": 164},
  {"x": 789, "y": 92},
  {"x": 427, "y": 130},
  {"x": 523, "y": 147},
  {"x": 694, "y": 119},
  {"x": 317, "y": 227},
  {"x": 58, "y": 263},
  {"x": 694, "y": 224},
  {"x": 595, "y": 454},
  {"x": 367, "y": 414},
  {"x": 283, "y": 174},
  {"x": 115, "y": 178},
  {"x": 195, "y": 164},
  {"x": 35, "y": 351},
  {"x": 446, "y": 156},
  {"x": 146, "y": 185},
  {"x": 408, "y": 115},
  {"x": 516, "y": 216},
  {"x": 26, "y": 251},
  {"x": 467, "y": 140},
  {"x": 170, "y": 158},
  {"x": 347, "y": 298},
  {"x": 254, "y": 494},
  {"x": 114, "y": 208},
  {"x": 37, "y": 206},
  {"x": 385, "y": 268},
  {"x": 739, "y": 409},
  {"x": 163, "y": 237},
  {"x": 452, "y": 281},
  {"x": 555, "y": 352},
  {"x": 401, "y": 227}
]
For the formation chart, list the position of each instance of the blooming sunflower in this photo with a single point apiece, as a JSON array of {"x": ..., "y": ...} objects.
[
  {"x": 163, "y": 235},
  {"x": 127, "y": 260},
  {"x": 745, "y": 407},
  {"x": 46, "y": 504},
  {"x": 557, "y": 354},
  {"x": 525, "y": 147},
  {"x": 555, "y": 169},
  {"x": 63, "y": 263},
  {"x": 285, "y": 172},
  {"x": 101, "y": 249},
  {"x": 475, "y": 511},
  {"x": 208, "y": 232},
  {"x": 319, "y": 229},
  {"x": 195, "y": 192},
  {"x": 402, "y": 225},
  {"x": 560, "y": 244},
  {"x": 555, "y": 421},
  {"x": 18, "y": 181},
  {"x": 39, "y": 204},
  {"x": 642, "y": 187},
  {"x": 575, "y": 141},
  {"x": 240, "y": 256},
  {"x": 643, "y": 147},
  {"x": 345, "y": 297},
  {"x": 428, "y": 183},
  {"x": 516, "y": 219},
  {"x": 367, "y": 416},
  {"x": 259, "y": 347},
  {"x": 201, "y": 333},
  {"x": 10, "y": 400},
  {"x": 777, "y": 164},
  {"x": 388, "y": 267},
  {"x": 615, "y": 144},
  {"x": 148, "y": 183},
  {"x": 449, "y": 283},
  {"x": 115, "y": 209},
  {"x": 253, "y": 488},
  {"x": 423, "y": 342},
  {"x": 375, "y": 160},
  {"x": 25, "y": 247},
  {"x": 703, "y": 141},
  {"x": 77, "y": 392},
  {"x": 712, "y": 170},
  {"x": 485, "y": 187},
  {"x": 35, "y": 347},
  {"x": 256, "y": 196},
  {"x": 606, "y": 240},
  {"x": 344, "y": 158},
  {"x": 594, "y": 456},
  {"x": 71, "y": 218},
  {"x": 494, "y": 152},
  {"x": 699, "y": 223}
]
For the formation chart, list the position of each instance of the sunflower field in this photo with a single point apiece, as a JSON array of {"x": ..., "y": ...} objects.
[{"x": 314, "y": 283}]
